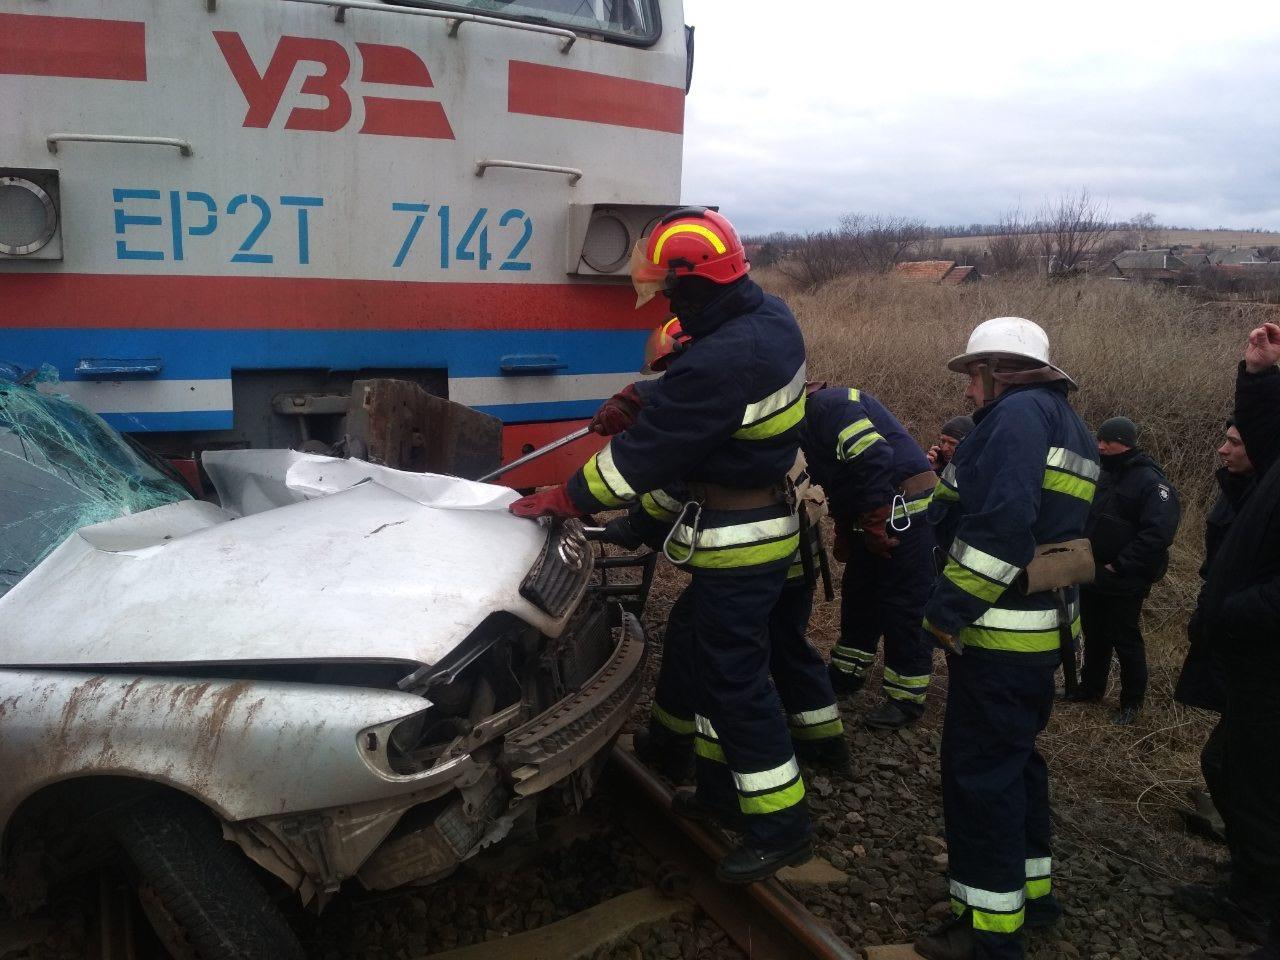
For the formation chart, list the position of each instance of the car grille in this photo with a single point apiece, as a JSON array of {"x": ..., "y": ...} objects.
[{"x": 560, "y": 574}]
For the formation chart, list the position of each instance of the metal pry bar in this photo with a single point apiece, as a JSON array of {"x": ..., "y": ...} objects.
[{"x": 535, "y": 454}]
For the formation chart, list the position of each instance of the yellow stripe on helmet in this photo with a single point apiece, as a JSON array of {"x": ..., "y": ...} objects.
[{"x": 697, "y": 228}]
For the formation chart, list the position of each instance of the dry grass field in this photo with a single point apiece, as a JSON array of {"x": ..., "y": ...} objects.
[{"x": 1147, "y": 353}]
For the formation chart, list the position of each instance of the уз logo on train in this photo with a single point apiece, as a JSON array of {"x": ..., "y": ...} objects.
[{"x": 327, "y": 65}]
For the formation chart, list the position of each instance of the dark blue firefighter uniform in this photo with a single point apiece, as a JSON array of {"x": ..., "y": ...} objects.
[
  {"x": 725, "y": 415},
  {"x": 861, "y": 456},
  {"x": 799, "y": 673},
  {"x": 1024, "y": 476}
]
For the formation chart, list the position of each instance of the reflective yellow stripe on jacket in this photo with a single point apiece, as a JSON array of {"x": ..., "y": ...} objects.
[
  {"x": 775, "y": 414},
  {"x": 977, "y": 572},
  {"x": 605, "y": 481},
  {"x": 1070, "y": 473},
  {"x": 1019, "y": 631}
]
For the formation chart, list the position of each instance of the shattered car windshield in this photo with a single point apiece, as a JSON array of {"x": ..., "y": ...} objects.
[{"x": 63, "y": 468}]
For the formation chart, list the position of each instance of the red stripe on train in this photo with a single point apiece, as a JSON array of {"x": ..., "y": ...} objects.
[
  {"x": 71, "y": 300},
  {"x": 41, "y": 46},
  {"x": 557, "y": 466},
  {"x": 542, "y": 91}
]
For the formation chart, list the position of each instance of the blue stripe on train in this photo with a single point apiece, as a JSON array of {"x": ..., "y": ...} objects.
[
  {"x": 166, "y": 422},
  {"x": 213, "y": 354},
  {"x": 533, "y": 412}
]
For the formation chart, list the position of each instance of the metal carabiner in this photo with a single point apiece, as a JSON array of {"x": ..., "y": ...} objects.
[
  {"x": 899, "y": 500},
  {"x": 693, "y": 535}
]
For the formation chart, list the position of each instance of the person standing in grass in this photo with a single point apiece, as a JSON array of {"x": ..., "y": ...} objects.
[
  {"x": 1201, "y": 683},
  {"x": 1240, "y": 617},
  {"x": 1131, "y": 526}
]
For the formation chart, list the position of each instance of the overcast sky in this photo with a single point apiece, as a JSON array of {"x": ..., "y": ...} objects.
[{"x": 802, "y": 112}]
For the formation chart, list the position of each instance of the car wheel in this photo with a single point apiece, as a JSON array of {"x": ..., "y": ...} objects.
[{"x": 197, "y": 889}]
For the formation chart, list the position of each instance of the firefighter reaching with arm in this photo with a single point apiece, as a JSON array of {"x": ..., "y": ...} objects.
[
  {"x": 1019, "y": 490},
  {"x": 798, "y": 670},
  {"x": 722, "y": 425},
  {"x": 878, "y": 486}
]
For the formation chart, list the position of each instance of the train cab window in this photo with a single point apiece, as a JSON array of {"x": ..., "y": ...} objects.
[{"x": 628, "y": 21}]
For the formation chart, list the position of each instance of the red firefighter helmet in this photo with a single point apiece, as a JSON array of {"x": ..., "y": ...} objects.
[
  {"x": 664, "y": 344},
  {"x": 689, "y": 242}
]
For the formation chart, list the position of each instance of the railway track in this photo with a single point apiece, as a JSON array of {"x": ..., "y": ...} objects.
[{"x": 763, "y": 919}]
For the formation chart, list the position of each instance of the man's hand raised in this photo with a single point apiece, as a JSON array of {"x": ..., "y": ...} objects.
[{"x": 1263, "y": 348}]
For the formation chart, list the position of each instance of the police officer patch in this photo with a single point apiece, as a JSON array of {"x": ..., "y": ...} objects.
[{"x": 1164, "y": 492}]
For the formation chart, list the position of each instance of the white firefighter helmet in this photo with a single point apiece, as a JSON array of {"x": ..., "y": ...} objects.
[{"x": 1005, "y": 338}]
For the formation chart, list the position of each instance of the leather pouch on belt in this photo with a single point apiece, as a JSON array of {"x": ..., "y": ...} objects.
[
  {"x": 1058, "y": 565},
  {"x": 808, "y": 494}
]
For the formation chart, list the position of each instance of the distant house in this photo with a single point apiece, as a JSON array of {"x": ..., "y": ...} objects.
[
  {"x": 1152, "y": 266},
  {"x": 944, "y": 272},
  {"x": 1235, "y": 255},
  {"x": 1237, "y": 270}
]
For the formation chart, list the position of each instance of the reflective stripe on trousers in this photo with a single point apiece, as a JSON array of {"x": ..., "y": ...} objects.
[
  {"x": 744, "y": 751},
  {"x": 816, "y": 724},
  {"x": 760, "y": 791}
]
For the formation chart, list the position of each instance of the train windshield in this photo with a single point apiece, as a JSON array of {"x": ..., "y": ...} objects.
[{"x": 632, "y": 21}]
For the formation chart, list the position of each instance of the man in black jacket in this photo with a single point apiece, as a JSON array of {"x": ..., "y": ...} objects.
[
  {"x": 1131, "y": 525},
  {"x": 1240, "y": 617},
  {"x": 1202, "y": 683}
]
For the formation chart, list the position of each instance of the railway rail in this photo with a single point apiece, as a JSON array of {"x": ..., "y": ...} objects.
[{"x": 763, "y": 919}]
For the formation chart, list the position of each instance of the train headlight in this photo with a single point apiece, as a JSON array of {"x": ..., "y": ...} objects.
[
  {"x": 601, "y": 236},
  {"x": 608, "y": 243},
  {"x": 28, "y": 217}
]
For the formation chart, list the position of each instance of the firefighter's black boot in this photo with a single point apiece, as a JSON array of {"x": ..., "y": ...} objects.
[
  {"x": 686, "y": 804},
  {"x": 829, "y": 752},
  {"x": 1125, "y": 716},
  {"x": 845, "y": 684},
  {"x": 1042, "y": 912},
  {"x": 893, "y": 715},
  {"x": 1246, "y": 919},
  {"x": 746, "y": 864},
  {"x": 670, "y": 756},
  {"x": 953, "y": 940},
  {"x": 1269, "y": 950}
]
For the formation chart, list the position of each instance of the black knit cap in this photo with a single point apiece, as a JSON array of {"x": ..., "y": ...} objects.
[
  {"x": 957, "y": 427},
  {"x": 1119, "y": 430}
]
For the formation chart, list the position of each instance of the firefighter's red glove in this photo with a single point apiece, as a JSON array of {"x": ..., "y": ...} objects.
[
  {"x": 945, "y": 640},
  {"x": 554, "y": 502},
  {"x": 840, "y": 543},
  {"x": 875, "y": 534},
  {"x": 618, "y": 412}
]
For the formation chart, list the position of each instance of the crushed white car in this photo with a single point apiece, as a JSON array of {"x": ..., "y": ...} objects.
[{"x": 349, "y": 672}]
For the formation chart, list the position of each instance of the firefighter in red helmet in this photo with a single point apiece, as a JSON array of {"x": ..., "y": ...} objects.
[{"x": 720, "y": 427}]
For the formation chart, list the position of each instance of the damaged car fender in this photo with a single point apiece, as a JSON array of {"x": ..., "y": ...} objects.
[{"x": 244, "y": 748}]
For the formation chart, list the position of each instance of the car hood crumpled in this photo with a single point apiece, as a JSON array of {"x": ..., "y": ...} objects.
[{"x": 309, "y": 559}]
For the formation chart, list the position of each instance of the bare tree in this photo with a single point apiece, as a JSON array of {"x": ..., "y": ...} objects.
[
  {"x": 881, "y": 242},
  {"x": 1071, "y": 229},
  {"x": 1011, "y": 247},
  {"x": 818, "y": 258},
  {"x": 1146, "y": 230}
]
